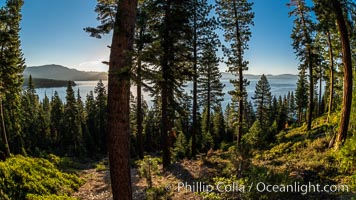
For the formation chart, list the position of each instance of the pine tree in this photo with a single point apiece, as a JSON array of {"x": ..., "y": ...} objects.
[
  {"x": 11, "y": 68},
  {"x": 43, "y": 131},
  {"x": 218, "y": 132},
  {"x": 209, "y": 85},
  {"x": 203, "y": 28},
  {"x": 141, "y": 71},
  {"x": 30, "y": 113},
  {"x": 274, "y": 109},
  {"x": 81, "y": 116},
  {"x": 282, "y": 116},
  {"x": 338, "y": 7},
  {"x": 91, "y": 137},
  {"x": 292, "y": 107},
  {"x": 206, "y": 138},
  {"x": 57, "y": 112},
  {"x": 303, "y": 44},
  {"x": 236, "y": 18},
  {"x": 262, "y": 99},
  {"x": 119, "y": 99},
  {"x": 3, "y": 128},
  {"x": 301, "y": 95},
  {"x": 172, "y": 33},
  {"x": 71, "y": 138},
  {"x": 101, "y": 116},
  {"x": 229, "y": 120},
  {"x": 250, "y": 116}
]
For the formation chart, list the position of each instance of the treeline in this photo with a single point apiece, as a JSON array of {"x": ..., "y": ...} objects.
[
  {"x": 47, "y": 83},
  {"x": 77, "y": 127},
  {"x": 73, "y": 127}
]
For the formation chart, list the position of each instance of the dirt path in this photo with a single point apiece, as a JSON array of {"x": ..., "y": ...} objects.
[{"x": 97, "y": 186}]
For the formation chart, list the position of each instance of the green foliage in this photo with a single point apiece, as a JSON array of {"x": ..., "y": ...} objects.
[
  {"x": 49, "y": 197},
  {"x": 102, "y": 165},
  {"x": 236, "y": 18},
  {"x": 263, "y": 100},
  {"x": 25, "y": 177},
  {"x": 181, "y": 148},
  {"x": 347, "y": 155},
  {"x": 257, "y": 136},
  {"x": 12, "y": 65},
  {"x": 148, "y": 167},
  {"x": 218, "y": 130},
  {"x": 47, "y": 83},
  {"x": 72, "y": 135}
]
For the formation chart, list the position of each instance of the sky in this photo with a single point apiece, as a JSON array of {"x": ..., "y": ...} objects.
[{"x": 52, "y": 33}]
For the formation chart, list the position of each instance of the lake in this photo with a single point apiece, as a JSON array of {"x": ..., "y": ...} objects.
[{"x": 279, "y": 87}]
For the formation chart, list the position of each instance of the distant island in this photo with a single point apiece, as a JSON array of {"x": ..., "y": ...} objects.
[
  {"x": 58, "y": 72},
  {"x": 47, "y": 83}
]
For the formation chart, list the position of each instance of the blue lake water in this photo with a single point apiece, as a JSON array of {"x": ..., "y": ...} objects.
[{"x": 279, "y": 87}]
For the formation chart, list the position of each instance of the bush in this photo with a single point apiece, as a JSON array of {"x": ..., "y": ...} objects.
[
  {"x": 181, "y": 147},
  {"x": 34, "y": 178},
  {"x": 256, "y": 137},
  {"x": 347, "y": 155},
  {"x": 148, "y": 167}
]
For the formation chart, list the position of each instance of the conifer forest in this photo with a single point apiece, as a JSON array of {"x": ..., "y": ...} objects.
[{"x": 161, "y": 126}]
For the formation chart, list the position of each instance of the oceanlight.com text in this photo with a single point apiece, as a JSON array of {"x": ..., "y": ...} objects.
[{"x": 235, "y": 187}]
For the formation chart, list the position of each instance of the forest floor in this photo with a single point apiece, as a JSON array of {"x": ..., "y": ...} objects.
[
  {"x": 297, "y": 156},
  {"x": 97, "y": 185}
]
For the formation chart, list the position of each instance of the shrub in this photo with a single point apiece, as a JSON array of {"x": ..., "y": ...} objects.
[
  {"x": 181, "y": 147},
  {"x": 347, "y": 155},
  {"x": 24, "y": 177},
  {"x": 256, "y": 137},
  {"x": 148, "y": 167}
]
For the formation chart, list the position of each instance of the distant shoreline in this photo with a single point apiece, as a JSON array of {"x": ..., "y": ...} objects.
[{"x": 48, "y": 83}]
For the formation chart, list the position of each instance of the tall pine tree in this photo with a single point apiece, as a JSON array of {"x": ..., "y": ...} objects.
[
  {"x": 236, "y": 18},
  {"x": 303, "y": 45},
  {"x": 11, "y": 68},
  {"x": 262, "y": 99}
]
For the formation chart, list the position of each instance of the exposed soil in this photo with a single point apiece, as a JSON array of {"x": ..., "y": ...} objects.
[{"x": 97, "y": 186}]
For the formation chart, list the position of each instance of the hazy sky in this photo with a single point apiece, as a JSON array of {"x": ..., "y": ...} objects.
[{"x": 52, "y": 33}]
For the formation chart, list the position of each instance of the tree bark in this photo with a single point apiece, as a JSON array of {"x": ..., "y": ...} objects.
[
  {"x": 119, "y": 99},
  {"x": 311, "y": 81},
  {"x": 240, "y": 71},
  {"x": 347, "y": 62},
  {"x": 208, "y": 105},
  {"x": 139, "y": 110},
  {"x": 320, "y": 111},
  {"x": 165, "y": 89},
  {"x": 195, "y": 77},
  {"x": 3, "y": 131},
  {"x": 331, "y": 87}
]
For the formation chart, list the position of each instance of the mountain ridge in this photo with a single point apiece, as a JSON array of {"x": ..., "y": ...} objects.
[{"x": 59, "y": 72}]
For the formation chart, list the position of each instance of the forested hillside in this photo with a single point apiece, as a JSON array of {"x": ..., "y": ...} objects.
[
  {"x": 112, "y": 145},
  {"x": 58, "y": 72}
]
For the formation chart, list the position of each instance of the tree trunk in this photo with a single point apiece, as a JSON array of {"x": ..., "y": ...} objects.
[
  {"x": 311, "y": 81},
  {"x": 241, "y": 86},
  {"x": 331, "y": 87},
  {"x": 320, "y": 111},
  {"x": 139, "y": 110},
  {"x": 3, "y": 131},
  {"x": 195, "y": 76},
  {"x": 347, "y": 62},
  {"x": 119, "y": 99},
  {"x": 208, "y": 105},
  {"x": 311, "y": 92},
  {"x": 166, "y": 160}
]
